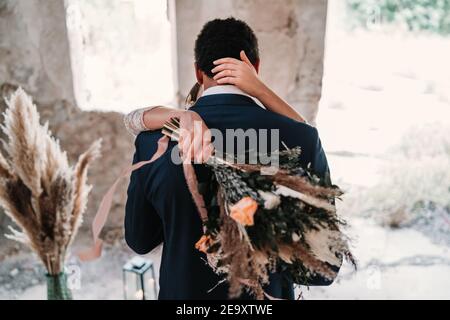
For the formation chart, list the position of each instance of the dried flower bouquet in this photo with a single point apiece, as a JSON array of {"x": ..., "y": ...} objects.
[{"x": 259, "y": 222}]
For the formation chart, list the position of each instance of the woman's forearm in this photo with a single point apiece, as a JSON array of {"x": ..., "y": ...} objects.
[
  {"x": 149, "y": 118},
  {"x": 155, "y": 118},
  {"x": 275, "y": 104}
]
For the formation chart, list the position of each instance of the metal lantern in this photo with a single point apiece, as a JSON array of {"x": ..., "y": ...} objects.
[{"x": 139, "y": 280}]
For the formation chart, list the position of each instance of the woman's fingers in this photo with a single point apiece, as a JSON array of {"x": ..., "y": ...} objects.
[
  {"x": 208, "y": 151},
  {"x": 195, "y": 145},
  {"x": 242, "y": 55},
  {"x": 226, "y": 60},
  {"x": 200, "y": 141},
  {"x": 225, "y": 66},
  {"x": 226, "y": 80},
  {"x": 197, "y": 151},
  {"x": 187, "y": 151},
  {"x": 245, "y": 58},
  {"x": 188, "y": 155},
  {"x": 231, "y": 71},
  {"x": 224, "y": 73},
  {"x": 194, "y": 138}
]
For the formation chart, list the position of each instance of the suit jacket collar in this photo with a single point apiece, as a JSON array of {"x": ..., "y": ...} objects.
[{"x": 225, "y": 99}]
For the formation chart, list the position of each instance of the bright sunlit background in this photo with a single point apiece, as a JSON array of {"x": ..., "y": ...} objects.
[
  {"x": 384, "y": 119},
  {"x": 122, "y": 54}
]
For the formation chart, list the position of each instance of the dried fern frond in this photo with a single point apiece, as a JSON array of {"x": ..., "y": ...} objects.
[
  {"x": 25, "y": 138},
  {"x": 54, "y": 159},
  {"x": 17, "y": 236},
  {"x": 5, "y": 168},
  {"x": 80, "y": 187}
]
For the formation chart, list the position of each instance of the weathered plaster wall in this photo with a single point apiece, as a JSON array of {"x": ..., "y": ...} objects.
[
  {"x": 34, "y": 48},
  {"x": 34, "y": 54}
]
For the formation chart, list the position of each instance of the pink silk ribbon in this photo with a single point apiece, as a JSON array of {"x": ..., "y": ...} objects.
[
  {"x": 192, "y": 183},
  {"x": 105, "y": 205}
]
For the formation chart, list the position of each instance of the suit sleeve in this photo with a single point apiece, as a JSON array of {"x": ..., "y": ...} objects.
[
  {"x": 143, "y": 226},
  {"x": 319, "y": 165}
]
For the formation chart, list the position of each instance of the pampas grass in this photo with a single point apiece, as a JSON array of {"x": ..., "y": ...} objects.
[{"x": 39, "y": 190}]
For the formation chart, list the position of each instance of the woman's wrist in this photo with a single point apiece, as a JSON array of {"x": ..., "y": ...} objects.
[
  {"x": 274, "y": 103},
  {"x": 264, "y": 94},
  {"x": 155, "y": 118}
]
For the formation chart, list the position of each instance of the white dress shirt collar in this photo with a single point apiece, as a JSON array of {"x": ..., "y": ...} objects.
[{"x": 228, "y": 89}]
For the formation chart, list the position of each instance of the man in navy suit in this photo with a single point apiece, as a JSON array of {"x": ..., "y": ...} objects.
[{"x": 160, "y": 208}]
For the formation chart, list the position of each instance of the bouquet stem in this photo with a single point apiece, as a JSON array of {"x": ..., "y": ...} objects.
[{"x": 57, "y": 288}]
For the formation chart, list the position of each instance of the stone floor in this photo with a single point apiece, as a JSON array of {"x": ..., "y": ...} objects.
[{"x": 392, "y": 264}]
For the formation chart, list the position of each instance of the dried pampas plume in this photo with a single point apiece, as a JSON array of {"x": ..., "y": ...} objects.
[{"x": 39, "y": 190}]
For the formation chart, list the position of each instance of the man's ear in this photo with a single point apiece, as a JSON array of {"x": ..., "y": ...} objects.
[
  {"x": 198, "y": 74},
  {"x": 256, "y": 65}
]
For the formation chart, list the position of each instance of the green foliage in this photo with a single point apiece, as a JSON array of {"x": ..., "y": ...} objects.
[{"x": 428, "y": 15}]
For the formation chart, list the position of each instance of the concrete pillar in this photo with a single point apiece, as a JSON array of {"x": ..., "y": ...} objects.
[
  {"x": 34, "y": 48},
  {"x": 291, "y": 34}
]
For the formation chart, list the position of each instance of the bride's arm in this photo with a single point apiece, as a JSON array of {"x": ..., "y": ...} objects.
[
  {"x": 276, "y": 104},
  {"x": 243, "y": 75},
  {"x": 190, "y": 137},
  {"x": 153, "y": 118},
  {"x": 149, "y": 118}
]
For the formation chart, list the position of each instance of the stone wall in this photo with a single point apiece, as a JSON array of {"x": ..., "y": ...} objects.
[
  {"x": 291, "y": 36},
  {"x": 34, "y": 54},
  {"x": 34, "y": 48}
]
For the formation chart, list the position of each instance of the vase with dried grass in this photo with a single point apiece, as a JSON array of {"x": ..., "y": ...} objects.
[{"x": 42, "y": 193}]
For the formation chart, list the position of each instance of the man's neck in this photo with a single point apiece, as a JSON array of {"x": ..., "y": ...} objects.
[
  {"x": 209, "y": 83},
  {"x": 210, "y": 86}
]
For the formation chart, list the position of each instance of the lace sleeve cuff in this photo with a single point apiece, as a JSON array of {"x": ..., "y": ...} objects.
[{"x": 134, "y": 121}]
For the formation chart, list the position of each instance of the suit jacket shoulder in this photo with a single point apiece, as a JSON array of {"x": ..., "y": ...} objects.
[{"x": 148, "y": 141}]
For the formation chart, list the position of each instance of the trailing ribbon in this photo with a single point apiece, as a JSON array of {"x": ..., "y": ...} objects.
[
  {"x": 249, "y": 283},
  {"x": 192, "y": 183},
  {"x": 105, "y": 205}
]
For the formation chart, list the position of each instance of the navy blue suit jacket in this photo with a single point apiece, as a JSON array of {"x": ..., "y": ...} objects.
[{"x": 160, "y": 208}]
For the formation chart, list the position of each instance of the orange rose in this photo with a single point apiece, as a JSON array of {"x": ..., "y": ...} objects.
[
  {"x": 244, "y": 210},
  {"x": 203, "y": 244}
]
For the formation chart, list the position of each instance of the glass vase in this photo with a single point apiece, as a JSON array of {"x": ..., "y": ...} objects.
[{"x": 57, "y": 288}]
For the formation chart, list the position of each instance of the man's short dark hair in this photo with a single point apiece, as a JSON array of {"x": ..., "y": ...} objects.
[{"x": 222, "y": 38}]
